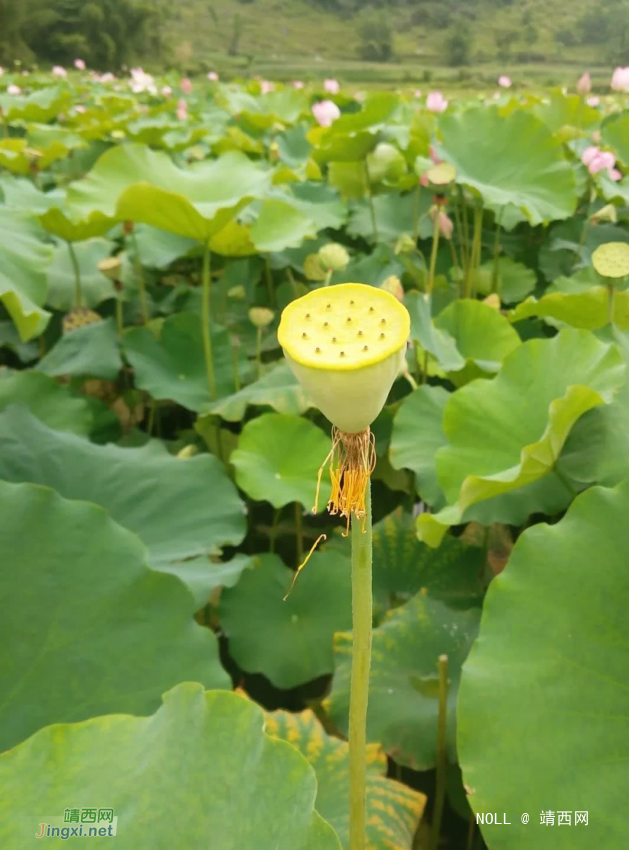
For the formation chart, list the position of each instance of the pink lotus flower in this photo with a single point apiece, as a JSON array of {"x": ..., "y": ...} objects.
[
  {"x": 79, "y": 64},
  {"x": 504, "y": 81},
  {"x": 186, "y": 86},
  {"x": 298, "y": 84},
  {"x": 80, "y": 108},
  {"x": 167, "y": 91},
  {"x": 593, "y": 101},
  {"x": 182, "y": 110},
  {"x": 213, "y": 77},
  {"x": 331, "y": 86},
  {"x": 13, "y": 89},
  {"x": 1, "y": 71},
  {"x": 141, "y": 81},
  {"x": 266, "y": 86},
  {"x": 59, "y": 72},
  {"x": 620, "y": 80},
  {"x": 584, "y": 86},
  {"x": 597, "y": 160},
  {"x": 107, "y": 77},
  {"x": 417, "y": 93},
  {"x": 436, "y": 102},
  {"x": 325, "y": 112}
]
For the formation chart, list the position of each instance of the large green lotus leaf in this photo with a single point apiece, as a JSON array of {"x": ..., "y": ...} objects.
[
  {"x": 195, "y": 510},
  {"x": 403, "y": 692},
  {"x": 94, "y": 285},
  {"x": 349, "y": 179},
  {"x": 417, "y": 435},
  {"x": 89, "y": 351},
  {"x": 113, "y": 634},
  {"x": 279, "y": 225},
  {"x": 339, "y": 149},
  {"x": 374, "y": 113},
  {"x": 564, "y": 110},
  {"x": 49, "y": 401},
  {"x": 436, "y": 342},
  {"x": 133, "y": 182},
  {"x": 289, "y": 641},
  {"x": 278, "y": 389},
  {"x": 264, "y": 111},
  {"x": 372, "y": 269},
  {"x": 514, "y": 281},
  {"x": 203, "y": 575},
  {"x": 509, "y": 432},
  {"x": 562, "y": 719},
  {"x": 40, "y": 149},
  {"x": 173, "y": 366},
  {"x": 403, "y": 565},
  {"x": 278, "y": 458},
  {"x": 63, "y": 223},
  {"x": 317, "y": 201},
  {"x": 483, "y": 337},
  {"x": 150, "y": 770},
  {"x": 616, "y": 134},
  {"x": 510, "y": 160},
  {"x": 158, "y": 248},
  {"x": 588, "y": 309},
  {"x": 395, "y": 214},
  {"x": 393, "y": 809},
  {"x": 23, "y": 271},
  {"x": 24, "y": 195},
  {"x": 39, "y": 106}
]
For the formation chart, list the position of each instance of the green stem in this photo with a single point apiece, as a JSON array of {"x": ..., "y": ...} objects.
[
  {"x": 457, "y": 270},
  {"x": 476, "y": 247},
  {"x": 269, "y": 279},
  {"x": 299, "y": 533},
  {"x": 273, "y": 535},
  {"x": 259, "y": 352},
  {"x": 140, "y": 276},
  {"x": 416, "y": 200},
  {"x": 236, "y": 366},
  {"x": 433, "y": 254},
  {"x": 494, "y": 270},
  {"x": 119, "y": 317},
  {"x": 361, "y": 662},
  {"x": 442, "y": 764},
  {"x": 372, "y": 209},
  {"x": 610, "y": 303},
  {"x": 293, "y": 283},
  {"x": 466, "y": 237},
  {"x": 328, "y": 277},
  {"x": 205, "y": 322},
  {"x": 78, "y": 289}
]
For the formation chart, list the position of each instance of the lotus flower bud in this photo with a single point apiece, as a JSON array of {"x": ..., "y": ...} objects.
[
  {"x": 333, "y": 257},
  {"x": 405, "y": 244},
  {"x": 261, "y": 316},
  {"x": 393, "y": 284}
]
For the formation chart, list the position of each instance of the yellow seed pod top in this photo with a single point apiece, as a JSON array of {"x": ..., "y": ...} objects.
[
  {"x": 346, "y": 344},
  {"x": 612, "y": 259}
]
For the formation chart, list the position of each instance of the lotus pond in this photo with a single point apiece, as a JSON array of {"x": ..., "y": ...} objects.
[{"x": 159, "y": 458}]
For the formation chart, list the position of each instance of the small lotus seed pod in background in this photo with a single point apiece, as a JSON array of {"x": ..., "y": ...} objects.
[
  {"x": 606, "y": 213},
  {"x": 261, "y": 316},
  {"x": 333, "y": 257},
  {"x": 237, "y": 293},
  {"x": 111, "y": 267},
  {"x": 612, "y": 259},
  {"x": 346, "y": 344},
  {"x": 187, "y": 452},
  {"x": 393, "y": 284}
]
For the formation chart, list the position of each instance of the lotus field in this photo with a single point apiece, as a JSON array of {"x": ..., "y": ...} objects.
[{"x": 181, "y": 664}]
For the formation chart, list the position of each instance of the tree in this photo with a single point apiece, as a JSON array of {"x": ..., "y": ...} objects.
[
  {"x": 458, "y": 48},
  {"x": 376, "y": 39}
]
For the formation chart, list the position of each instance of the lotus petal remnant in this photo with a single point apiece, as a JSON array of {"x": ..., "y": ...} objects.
[
  {"x": 331, "y": 86},
  {"x": 345, "y": 344},
  {"x": 620, "y": 80}
]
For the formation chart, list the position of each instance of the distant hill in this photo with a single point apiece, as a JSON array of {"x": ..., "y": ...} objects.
[{"x": 309, "y": 38}]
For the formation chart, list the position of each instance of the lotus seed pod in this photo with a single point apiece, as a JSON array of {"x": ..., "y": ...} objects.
[
  {"x": 261, "y": 316},
  {"x": 606, "y": 213},
  {"x": 345, "y": 344},
  {"x": 110, "y": 267},
  {"x": 237, "y": 293},
  {"x": 442, "y": 174},
  {"x": 612, "y": 259},
  {"x": 333, "y": 257}
]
